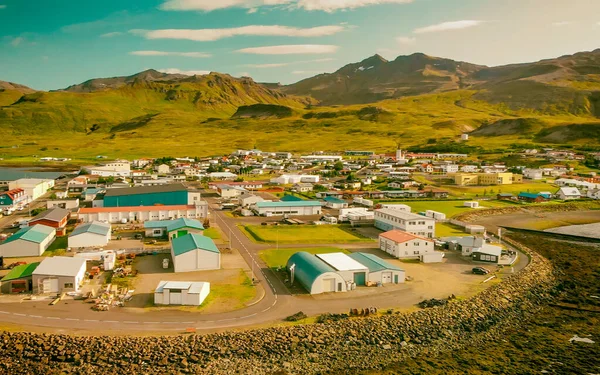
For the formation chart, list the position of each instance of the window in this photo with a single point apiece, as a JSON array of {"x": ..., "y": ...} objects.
[
  {"x": 157, "y": 231},
  {"x": 68, "y": 286},
  {"x": 416, "y": 252},
  {"x": 416, "y": 244}
]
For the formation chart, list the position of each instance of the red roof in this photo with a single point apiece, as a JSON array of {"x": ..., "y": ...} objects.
[
  {"x": 401, "y": 236},
  {"x": 94, "y": 210},
  {"x": 11, "y": 193}
]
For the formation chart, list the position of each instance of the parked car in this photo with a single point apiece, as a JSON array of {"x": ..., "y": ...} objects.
[{"x": 480, "y": 271}]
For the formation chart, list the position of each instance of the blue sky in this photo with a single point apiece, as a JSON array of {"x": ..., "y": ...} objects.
[{"x": 50, "y": 44}]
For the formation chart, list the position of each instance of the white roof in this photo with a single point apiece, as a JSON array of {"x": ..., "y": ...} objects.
[
  {"x": 192, "y": 287},
  {"x": 60, "y": 266},
  {"x": 489, "y": 249},
  {"x": 402, "y": 214},
  {"x": 570, "y": 191},
  {"x": 341, "y": 262}
]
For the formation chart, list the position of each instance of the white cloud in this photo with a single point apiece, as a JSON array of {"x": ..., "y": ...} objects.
[
  {"x": 110, "y": 35},
  {"x": 252, "y": 11},
  {"x": 17, "y": 41},
  {"x": 185, "y": 72},
  {"x": 263, "y": 66},
  {"x": 299, "y": 72},
  {"x": 2, "y": 6},
  {"x": 277, "y": 65},
  {"x": 321, "y": 5},
  {"x": 406, "y": 41},
  {"x": 244, "y": 74},
  {"x": 207, "y": 35},
  {"x": 165, "y": 53},
  {"x": 561, "y": 23},
  {"x": 447, "y": 26},
  {"x": 290, "y": 49}
]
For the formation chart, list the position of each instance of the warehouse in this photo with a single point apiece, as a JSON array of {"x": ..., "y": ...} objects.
[
  {"x": 335, "y": 203},
  {"x": 141, "y": 214},
  {"x": 194, "y": 252},
  {"x": 94, "y": 234},
  {"x": 181, "y": 293},
  {"x": 314, "y": 275},
  {"x": 33, "y": 187},
  {"x": 288, "y": 208},
  {"x": 172, "y": 228},
  {"x": 168, "y": 195},
  {"x": 59, "y": 274},
  {"x": 56, "y": 218},
  {"x": 28, "y": 242},
  {"x": 380, "y": 271},
  {"x": 19, "y": 279},
  {"x": 350, "y": 270}
]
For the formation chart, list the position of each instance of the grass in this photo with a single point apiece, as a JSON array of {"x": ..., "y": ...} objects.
[
  {"x": 275, "y": 258},
  {"x": 212, "y": 233},
  {"x": 450, "y": 208},
  {"x": 235, "y": 294},
  {"x": 58, "y": 247},
  {"x": 491, "y": 191},
  {"x": 448, "y": 230},
  {"x": 292, "y": 234}
]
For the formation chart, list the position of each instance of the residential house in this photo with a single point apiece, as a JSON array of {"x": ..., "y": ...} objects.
[
  {"x": 404, "y": 245},
  {"x": 532, "y": 197},
  {"x": 12, "y": 199},
  {"x": 302, "y": 187},
  {"x": 56, "y": 218},
  {"x": 568, "y": 193}
]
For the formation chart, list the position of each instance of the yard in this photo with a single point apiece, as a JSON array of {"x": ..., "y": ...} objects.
[
  {"x": 212, "y": 233},
  {"x": 278, "y": 257},
  {"x": 58, "y": 247},
  {"x": 292, "y": 234},
  {"x": 448, "y": 230},
  {"x": 450, "y": 208}
]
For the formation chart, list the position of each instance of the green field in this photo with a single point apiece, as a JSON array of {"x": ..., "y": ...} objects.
[
  {"x": 492, "y": 191},
  {"x": 212, "y": 233},
  {"x": 301, "y": 234},
  {"x": 235, "y": 294},
  {"x": 449, "y": 230},
  {"x": 450, "y": 208},
  {"x": 275, "y": 258},
  {"x": 58, "y": 247}
]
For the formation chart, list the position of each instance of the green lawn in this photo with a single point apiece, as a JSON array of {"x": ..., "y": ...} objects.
[
  {"x": 58, "y": 247},
  {"x": 212, "y": 233},
  {"x": 450, "y": 208},
  {"x": 491, "y": 191},
  {"x": 448, "y": 230},
  {"x": 301, "y": 234},
  {"x": 279, "y": 257}
]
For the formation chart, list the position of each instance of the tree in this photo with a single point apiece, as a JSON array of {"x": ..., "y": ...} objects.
[
  {"x": 239, "y": 179},
  {"x": 421, "y": 187},
  {"x": 484, "y": 193},
  {"x": 338, "y": 166},
  {"x": 206, "y": 223}
]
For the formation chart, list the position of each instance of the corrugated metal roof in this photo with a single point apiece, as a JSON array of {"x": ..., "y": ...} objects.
[
  {"x": 37, "y": 233},
  {"x": 172, "y": 225},
  {"x": 291, "y": 198},
  {"x": 334, "y": 200},
  {"x": 60, "y": 266},
  {"x": 19, "y": 272},
  {"x": 373, "y": 262},
  {"x": 402, "y": 214},
  {"x": 168, "y": 188},
  {"x": 94, "y": 210},
  {"x": 341, "y": 262},
  {"x": 54, "y": 214},
  {"x": 400, "y": 236},
  {"x": 308, "y": 268},
  {"x": 96, "y": 227},
  {"x": 192, "y": 241},
  {"x": 288, "y": 204}
]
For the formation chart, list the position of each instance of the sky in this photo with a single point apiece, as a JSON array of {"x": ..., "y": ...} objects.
[{"x": 51, "y": 44}]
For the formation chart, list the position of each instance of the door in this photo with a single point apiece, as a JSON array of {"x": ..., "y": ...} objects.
[
  {"x": 50, "y": 286},
  {"x": 181, "y": 233},
  {"x": 359, "y": 278},
  {"x": 175, "y": 297},
  {"x": 396, "y": 280},
  {"x": 328, "y": 285},
  {"x": 386, "y": 277}
]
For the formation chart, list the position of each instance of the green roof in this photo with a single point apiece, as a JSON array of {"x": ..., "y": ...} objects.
[
  {"x": 93, "y": 227},
  {"x": 171, "y": 225},
  {"x": 373, "y": 262},
  {"x": 288, "y": 204},
  {"x": 308, "y": 268},
  {"x": 37, "y": 233},
  {"x": 192, "y": 241},
  {"x": 334, "y": 200},
  {"x": 19, "y": 272},
  {"x": 291, "y": 198}
]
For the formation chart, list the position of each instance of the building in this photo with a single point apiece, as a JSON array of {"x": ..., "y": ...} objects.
[
  {"x": 142, "y": 213},
  {"x": 163, "y": 169},
  {"x": 118, "y": 168},
  {"x": 168, "y": 195},
  {"x": 181, "y": 293},
  {"x": 532, "y": 197},
  {"x": 399, "y": 207},
  {"x": 505, "y": 197},
  {"x": 496, "y": 178},
  {"x": 296, "y": 178},
  {"x": 58, "y": 275},
  {"x": 388, "y": 219},
  {"x": 321, "y": 158},
  {"x": 56, "y": 218},
  {"x": 94, "y": 234},
  {"x": 593, "y": 194},
  {"x": 403, "y": 245},
  {"x": 288, "y": 208},
  {"x": 350, "y": 270},
  {"x": 248, "y": 185},
  {"x": 19, "y": 279},
  {"x": 335, "y": 203},
  {"x": 533, "y": 174},
  {"x": 314, "y": 275},
  {"x": 34, "y": 187},
  {"x": 466, "y": 245},
  {"x": 222, "y": 176},
  {"x": 471, "y": 204},
  {"x": 568, "y": 193},
  {"x": 227, "y": 191},
  {"x": 69, "y": 204},
  {"x": 249, "y": 200},
  {"x": 380, "y": 271},
  {"x": 173, "y": 228},
  {"x": 194, "y": 252},
  {"x": 12, "y": 198},
  {"x": 28, "y": 242},
  {"x": 487, "y": 253},
  {"x": 302, "y": 187}
]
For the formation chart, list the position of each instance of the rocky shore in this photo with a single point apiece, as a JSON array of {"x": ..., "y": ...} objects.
[{"x": 342, "y": 346}]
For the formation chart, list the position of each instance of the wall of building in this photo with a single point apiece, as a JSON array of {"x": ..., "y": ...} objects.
[
  {"x": 197, "y": 212},
  {"x": 172, "y": 198},
  {"x": 88, "y": 240},
  {"x": 407, "y": 250},
  {"x": 196, "y": 260}
]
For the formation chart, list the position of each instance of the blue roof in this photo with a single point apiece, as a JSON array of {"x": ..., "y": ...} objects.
[
  {"x": 37, "y": 233},
  {"x": 308, "y": 268},
  {"x": 288, "y": 204},
  {"x": 529, "y": 195},
  {"x": 171, "y": 225},
  {"x": 373, "y": 262},
  {"x": 290, "y": 198},
  {"x": 96, "y": 227},
  {"x": 192, "y": 241},
  {"x": 334, "y": 200}
]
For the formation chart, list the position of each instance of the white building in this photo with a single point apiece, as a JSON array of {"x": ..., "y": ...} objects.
[
  {"x": 304, "y": 208},
  {"x": 321, "y": 158},
  {"x": 295, "y": 178},
  {"x": 59, "y": 274},
  {"x": 249, "y": 200},
  {"x": 194, "y": 252},
  {"x": 226, "y": 191},
  {"x": 68, "y": 204},
  {"x": 399, "y": 207},
  {"x": 222, "y": 176},
  {"x": 387, "y": 219},
  {"x": 163, "y": 169},
  {"x": 181, "y": 293},
  {"x": 533, "y": 174},
  {"x": 593, "y": 193},
  {"x": 350, "y": 270},
  {"x": 28, "y": 242},
  {"x": 94, "y": 234},
  {"x": 118, "y": 168},
  {"x": 471, "y": 204},
  {"x": 34, "y": 187},
  {"x": 568, "y": 193},
  {"x": 315, "y": 275},
  {"x": 142, "y": 213},
  {"x": 380, "y": 271},
  {"x": 403, "y": 245}
]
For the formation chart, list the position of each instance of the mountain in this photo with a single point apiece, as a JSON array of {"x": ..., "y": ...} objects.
[
  {"x": 100, "y": 84},
  {"x": 9, "y": 86}
]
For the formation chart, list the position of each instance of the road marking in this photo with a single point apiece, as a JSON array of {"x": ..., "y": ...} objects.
[
  {"x": 110, "y": 321},
  {"x": 34, "y": 316},
  {"x": 53, "y": 317},
  {"x": 130, "y": 322},
  {"x": 4, "y": 312},
  {"x": 72, "y": 319},
  {"x": 90, "y": 320},
  {"x": 19, "y": 314},
  {"x": 150, "y": 322}
]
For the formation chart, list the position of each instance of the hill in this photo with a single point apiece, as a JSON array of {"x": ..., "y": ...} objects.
[{"x": 262, "y": 111}]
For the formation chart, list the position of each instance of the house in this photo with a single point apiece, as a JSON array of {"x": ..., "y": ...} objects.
[
  {"x": 181, "y": 293},
  {"x": 466, "y": 245},
  {"x": 568, "y": 193},
  {"x": 533, "y": 174},
  {"x": 163, "y": 169},
  {"x": 302, "y": 187},
  {"x": 404, "y": 245},
  {"x": 28, "y": 242},
  {"x": 335, "y": 203},
  {"x": 118, "y": 168},
  {"x": 94, "y": 234},
  {"x": 142, "y": 213},
  {"x": 593, "y": 193},
  {"x": 398, "y": 206},
  {"x": 226, "y": 191},
  {"x": 314, "y": 275},
  {"x": 505, "y": 196},
  {"x": 432, "y": 192},
  {"x": 173, "y": 228},
  {"x": 380, "y": 271},
  {"x": 387, "y": 219},
  {"x": 56, "y": 218},
  {"x": 68, "y": 204},
  {"x": 12, "y": 198},
  {"x": 19, "y": 279},
  {"x": 348, "y": 268},
  {"x": 487, "y": 253},
  {"x": 532, "y": 197},
  {"x": 34, "y": 187},
  {"x": 59, "y": 274},
  {"x": 301, "y": 208},
  {"x": 222, "y": 176},
  {"x": 194, "y": 252}
]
